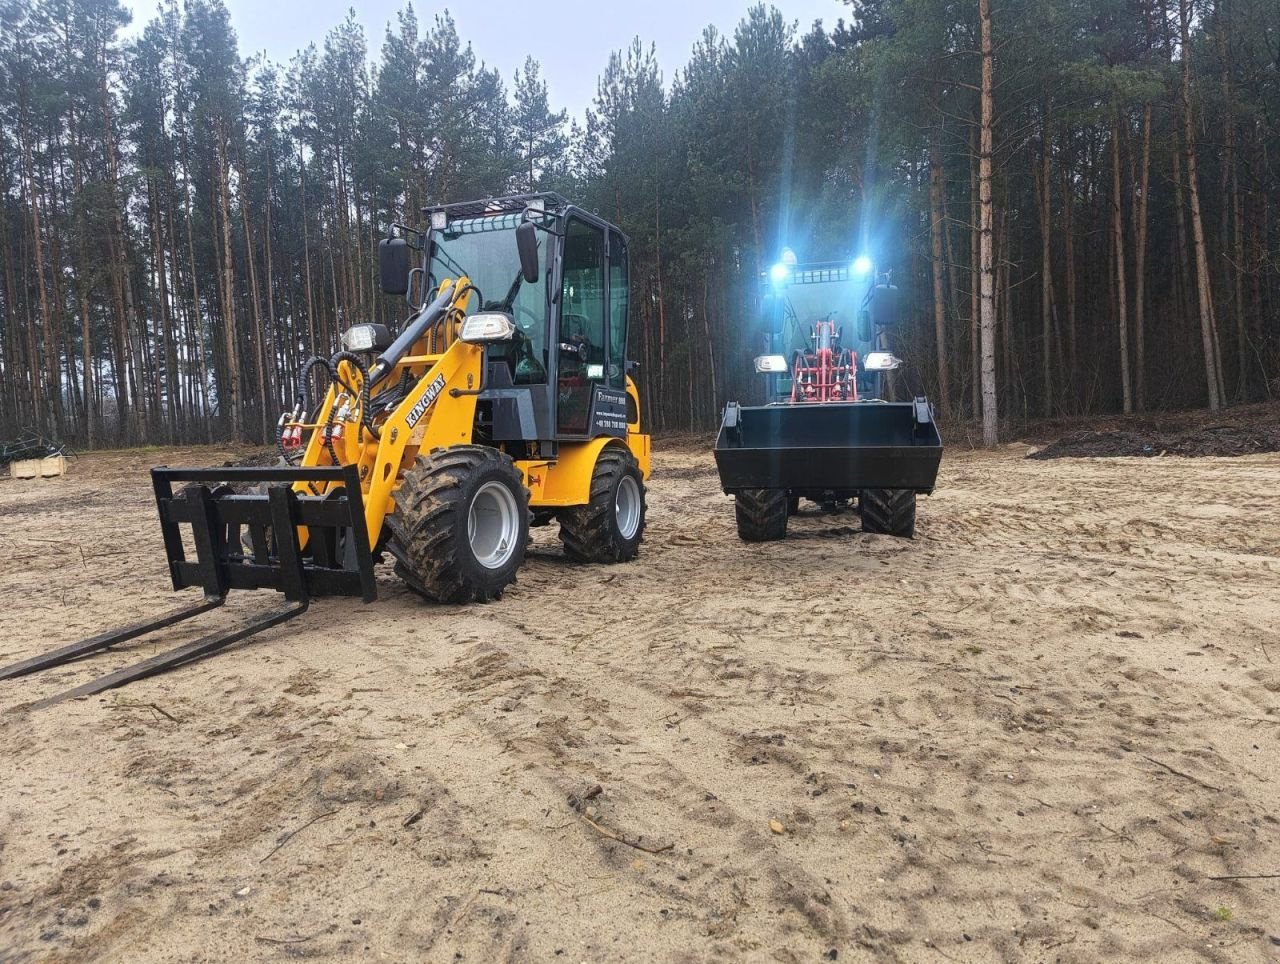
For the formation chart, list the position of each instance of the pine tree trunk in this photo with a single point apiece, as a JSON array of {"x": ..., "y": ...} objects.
[
  {"x": 1207, "y": 333},
  {"x": 306, "y": 261},
  {"x": 230, "y": 334},
  {"x": 1044, "y": 188},
  {"x": 1140, "y": 265},
  {"x": 936, "y": 220},
  {"x": 259, "y": 338},
  {"x": 990, "y": 415},
  {"x": 975, "y": 284},
  {"x": 37, "y": 244},
  {"x": 1069, "y": 239},
  {"x": 1122, "y": 296}
]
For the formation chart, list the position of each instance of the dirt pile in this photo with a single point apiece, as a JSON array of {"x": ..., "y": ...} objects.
[{"x": 1217, "y": 440}]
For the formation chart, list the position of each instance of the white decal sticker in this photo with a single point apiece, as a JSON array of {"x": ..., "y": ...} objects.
[{"x": 424, "y": 403}]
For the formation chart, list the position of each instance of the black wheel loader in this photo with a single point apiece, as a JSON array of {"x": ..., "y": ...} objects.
[
  {"x": 504, "y": 400},
  {"x": 826, "y": 433}
]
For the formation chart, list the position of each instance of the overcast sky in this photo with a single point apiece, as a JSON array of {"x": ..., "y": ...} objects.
[{"x": 572, "y": 39}]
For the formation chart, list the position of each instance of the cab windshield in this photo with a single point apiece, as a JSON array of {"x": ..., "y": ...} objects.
[{"x": 484, "y": 250}]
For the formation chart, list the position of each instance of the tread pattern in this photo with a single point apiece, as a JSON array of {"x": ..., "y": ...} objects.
[
  {"x": 761, "y": 514},
  {"x": 889, "y": 512},
  {"x": 424, "y": 525},
  {"x": 588, "y": 531}
]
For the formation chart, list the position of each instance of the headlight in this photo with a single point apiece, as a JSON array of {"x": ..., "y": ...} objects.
[
  {"x": 881, "y": 361},
  {"x": 439, "y": 220},
  {"x": 771, "y": 364},
  {"x": 366, "y": 338},
  {"x": 488, "y": 326}
]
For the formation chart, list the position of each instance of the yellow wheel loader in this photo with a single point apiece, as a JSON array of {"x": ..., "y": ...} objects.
[{"x": 505, "y": 400}]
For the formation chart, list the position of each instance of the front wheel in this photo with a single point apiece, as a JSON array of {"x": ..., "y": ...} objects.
[
  {"x": 761, "y": 514},
  {"x": 461, "y": 524},
  {"x": 610, "y": 526},
  {"x": 889, "y": 512}
]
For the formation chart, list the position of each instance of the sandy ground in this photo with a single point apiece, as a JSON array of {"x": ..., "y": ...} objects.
[{"x": 1038, "y": 732}]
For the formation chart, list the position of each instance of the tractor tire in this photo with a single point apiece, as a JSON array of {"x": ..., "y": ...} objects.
[
  {"x": 609, "y": 527},
  {"x": 460, "y": 525},
  {"x": 889, "y": 512},
  {"x": 761, "y": 514}
]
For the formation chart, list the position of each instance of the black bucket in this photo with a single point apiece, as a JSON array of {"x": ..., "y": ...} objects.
[{"x": 829, "y": 449}]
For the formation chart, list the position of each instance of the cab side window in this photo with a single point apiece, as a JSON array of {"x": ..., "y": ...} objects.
[
  {"x": 582, "y": 324},
  {"x": 618, "y": 294}
]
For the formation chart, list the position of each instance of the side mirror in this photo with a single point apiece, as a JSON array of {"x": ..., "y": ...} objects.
[
  {"x": 885, "y": 306},
  {"x": 393, "y": 265},
  {"x": 527, "y": 245},
  {"x": 865, "y": 331}
]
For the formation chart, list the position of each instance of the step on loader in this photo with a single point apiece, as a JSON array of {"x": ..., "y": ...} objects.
[
  {"x": 826, "y": 434},
  {"x": 505, "y": 400}
]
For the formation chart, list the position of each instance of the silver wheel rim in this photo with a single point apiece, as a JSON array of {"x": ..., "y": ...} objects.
[
  {"x": 493, "y": 525},
  {"x": 627, "y": 507}
]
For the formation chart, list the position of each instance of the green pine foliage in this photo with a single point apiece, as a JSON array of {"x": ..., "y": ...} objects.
[{"x": 183, "y": 222}]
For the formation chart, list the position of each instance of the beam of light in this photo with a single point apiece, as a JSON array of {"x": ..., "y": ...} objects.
[{"x": 862, "y": 265}]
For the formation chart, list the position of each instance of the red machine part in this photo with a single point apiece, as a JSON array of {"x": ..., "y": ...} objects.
[{"x": 827, "y": 373}]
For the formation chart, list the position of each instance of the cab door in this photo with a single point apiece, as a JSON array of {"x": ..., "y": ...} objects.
[{"x": 582, "y": 335}]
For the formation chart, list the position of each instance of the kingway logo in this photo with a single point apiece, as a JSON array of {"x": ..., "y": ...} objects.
[{"x": 424, "y": 403}]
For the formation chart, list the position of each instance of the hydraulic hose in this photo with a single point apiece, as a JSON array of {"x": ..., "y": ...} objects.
[
  {"x": 304, "y": 384},
  {"x": 356, "y": 362}
]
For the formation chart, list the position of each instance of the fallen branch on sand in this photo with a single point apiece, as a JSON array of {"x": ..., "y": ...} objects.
[
  {"x": 121, "y": 704},
  {"x": 612, "y": 835},
  {"x": 294, "y": 940},
  {"x": 1178, "y": 773},
  {"x": 295, "y": 833},
  {"x": 1247, "y": 877}
]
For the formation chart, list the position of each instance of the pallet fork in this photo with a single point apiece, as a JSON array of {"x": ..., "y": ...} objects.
[{"x": 299, "y": 545}]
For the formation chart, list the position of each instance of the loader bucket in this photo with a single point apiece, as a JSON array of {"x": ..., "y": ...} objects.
[
  {"x": 299, "y": 545},
  {"x": 833, "y": 449}
]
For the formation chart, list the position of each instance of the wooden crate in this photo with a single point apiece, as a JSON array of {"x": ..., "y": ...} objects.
[{"x": 46, "y": 468}]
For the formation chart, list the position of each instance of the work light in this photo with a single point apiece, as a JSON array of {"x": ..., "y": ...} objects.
[
  {"x": 881, "y": 361},
  {"x": 771, "y": 364},
  {"x": 366, "y": 338},
  {"x": 487, "y": 326}
]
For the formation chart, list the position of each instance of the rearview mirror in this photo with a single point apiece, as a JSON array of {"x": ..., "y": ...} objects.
[
  {"x": 885, "y": 306},
  {"x": 393, "y": 265},
  {"x": 865, "y": 331},
  {"x": 527, "y": 245}
]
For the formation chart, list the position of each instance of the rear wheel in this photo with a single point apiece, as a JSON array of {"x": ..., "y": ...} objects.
[
  {"x": 889, "y": 512},
  {"x": 610, "y": 526},
  {"x": 761, "y": 514},
  {"x": 461, "y": 524}
]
